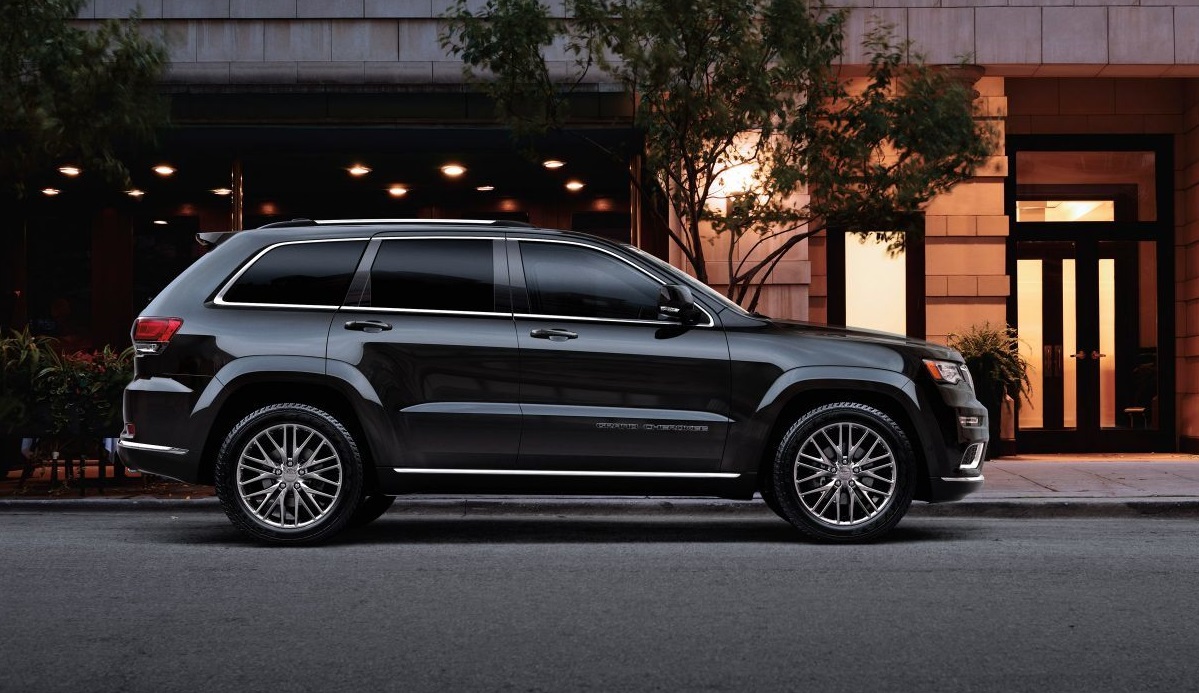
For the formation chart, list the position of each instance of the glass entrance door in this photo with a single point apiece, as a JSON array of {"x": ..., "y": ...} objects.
[{"x": 1087, "y": 317}]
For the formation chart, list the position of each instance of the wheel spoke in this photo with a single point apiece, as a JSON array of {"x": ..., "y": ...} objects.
[
  {"x": 291, "y": 503},
  {"x": 316, "y": 492},
  {"x": 850, "y": 453}
]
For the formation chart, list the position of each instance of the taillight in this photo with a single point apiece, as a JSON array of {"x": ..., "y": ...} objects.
[{"x": 151, "y": 335}]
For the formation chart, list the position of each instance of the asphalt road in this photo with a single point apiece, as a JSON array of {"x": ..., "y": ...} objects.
[{"x": 155, "y": 601}]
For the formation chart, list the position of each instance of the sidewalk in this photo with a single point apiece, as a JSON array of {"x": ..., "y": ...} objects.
[{"x": 1017, "y": 486}]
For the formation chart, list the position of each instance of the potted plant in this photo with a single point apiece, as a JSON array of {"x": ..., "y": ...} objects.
[{"x": 992, "y": 354}]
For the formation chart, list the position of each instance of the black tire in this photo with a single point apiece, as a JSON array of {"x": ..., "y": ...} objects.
[
  {"x": 844, "y": 457},
  {"x": 370, "y": 509},
  {"x": 772, "y": 501},
  {"x": 256, "y": 461}
]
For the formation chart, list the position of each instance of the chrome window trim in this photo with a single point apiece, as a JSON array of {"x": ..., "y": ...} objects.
[
  {"x": 555, "y": 472},
  {"x": 520, "y": 238},
  {"x": 425, "y": 311},
  {"x": 220, "y": 296}
]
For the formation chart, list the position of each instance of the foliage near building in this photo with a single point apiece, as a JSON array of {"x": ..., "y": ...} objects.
[
  {"x": 749, "y": 125},
  {"x": 70, "y": 93}
]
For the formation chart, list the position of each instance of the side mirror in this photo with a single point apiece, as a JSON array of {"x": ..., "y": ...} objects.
[{"x": 676, "y": 303}]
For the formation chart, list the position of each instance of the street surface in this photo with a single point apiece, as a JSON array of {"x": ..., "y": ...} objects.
[{"x": 176, "y": 600}]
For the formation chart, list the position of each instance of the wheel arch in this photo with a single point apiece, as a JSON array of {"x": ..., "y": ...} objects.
[
  {"x": 888, "y": 391},
  {"x": 251, "y": 391}
]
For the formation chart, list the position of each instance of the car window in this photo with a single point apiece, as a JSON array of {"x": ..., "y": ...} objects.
[
  {"x": 571, "y": 280},
  {"x": 308, "y": 274},
  {"x": 434, "y": 274}
]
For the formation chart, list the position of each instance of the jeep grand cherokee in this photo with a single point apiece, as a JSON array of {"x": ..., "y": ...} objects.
[{"x": 312, "y": 371}]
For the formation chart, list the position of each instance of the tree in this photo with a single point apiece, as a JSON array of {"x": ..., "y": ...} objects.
[
  {"x": 748, "y": 125},
  {"x": 70, "y": 93}
]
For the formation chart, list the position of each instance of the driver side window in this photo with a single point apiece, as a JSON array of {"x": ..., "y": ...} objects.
[{"x": 574, "y": 281}]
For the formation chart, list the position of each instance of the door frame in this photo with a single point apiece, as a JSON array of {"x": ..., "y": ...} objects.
[{"x": 1160, "y": 230}]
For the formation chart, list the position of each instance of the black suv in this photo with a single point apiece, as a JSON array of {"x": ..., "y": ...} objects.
[{"x": 312, "y": 371}]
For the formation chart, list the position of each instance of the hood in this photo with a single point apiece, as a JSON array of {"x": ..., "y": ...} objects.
[{"x": 925, "y": 348}]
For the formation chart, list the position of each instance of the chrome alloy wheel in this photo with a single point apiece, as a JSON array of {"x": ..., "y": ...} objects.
[
  {"x": 845, "y": 474},
  {"x": 289, "y": 476}
]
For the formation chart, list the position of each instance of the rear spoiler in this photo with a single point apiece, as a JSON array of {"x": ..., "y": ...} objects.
[{"x": 211, "y": 239}]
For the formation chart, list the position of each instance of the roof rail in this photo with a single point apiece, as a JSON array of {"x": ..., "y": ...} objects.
[
  {"x": 291, "y": 222},
  {"x": 455, "y": 222}
]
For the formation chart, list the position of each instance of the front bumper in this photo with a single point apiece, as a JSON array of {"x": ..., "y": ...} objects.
[{"x": 951, "y": 488}]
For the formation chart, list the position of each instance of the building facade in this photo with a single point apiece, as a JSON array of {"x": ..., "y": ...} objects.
[{"x": 1082, "y": 231}]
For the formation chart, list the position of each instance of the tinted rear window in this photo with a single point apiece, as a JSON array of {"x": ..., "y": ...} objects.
[
  {"x": 434, "y": 274},
  {"x": 311, "y": 274}
]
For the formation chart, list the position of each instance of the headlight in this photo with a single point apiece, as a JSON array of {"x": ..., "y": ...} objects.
[{"x": 948, "y": 372}]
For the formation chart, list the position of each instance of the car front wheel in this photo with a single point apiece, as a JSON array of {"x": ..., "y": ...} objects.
[
  {"x": 289, "y": 474},
  {"x": 844, "y": 472}
]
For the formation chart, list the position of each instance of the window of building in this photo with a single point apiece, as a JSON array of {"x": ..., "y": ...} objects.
[
  {"x": 299, "y": 274},
  {"x": 571, "y": 280},
  {"x": 875, "y": 284},
  {"x": 1079, "y": 186},
  {"x": 434, "y": 274}
]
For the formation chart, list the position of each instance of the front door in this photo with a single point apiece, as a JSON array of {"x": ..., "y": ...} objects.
[
  {"x": 1087, "y": 320},
  {"x": 1091, "y": 255},
  {"x": 605, "y": 385}
]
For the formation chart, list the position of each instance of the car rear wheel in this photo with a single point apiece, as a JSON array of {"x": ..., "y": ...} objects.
[
  {"x": 289, "y": 474},
  {"x": 844, "y": 472}
]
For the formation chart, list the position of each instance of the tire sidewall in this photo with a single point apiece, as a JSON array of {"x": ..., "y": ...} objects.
[
  {"x": 351, "y": 491},
  {"x": 787, "y": 497}
]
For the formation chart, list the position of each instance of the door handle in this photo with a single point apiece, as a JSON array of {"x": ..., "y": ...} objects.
[
  {"x": 368, "y": 325},
  {"x": 1096, "y": 355},
  {"x": 553, "y": 334},
  {"x": 1079, "y": 355}
]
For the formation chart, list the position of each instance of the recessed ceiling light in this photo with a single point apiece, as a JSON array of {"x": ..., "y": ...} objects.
[
  {"x": 453, "y": 170},
  {"x": 164, "y": 170},
  {"x": 50, "y": 192},
  {"x": 553, "y": 163},
  {"x": 134, "y": 192},
  {"x": 160, "y": 222},
  {"x": 397, "y": 191},
  {"x": 574, "y": 185},
  {"x": 358, "y": 170},
  {"x": 222, "y": 191},
  {"x": 485, "y": 188},
  {"x": 70, "y": 171}
]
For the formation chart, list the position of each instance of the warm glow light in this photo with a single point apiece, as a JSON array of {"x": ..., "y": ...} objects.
[
  {"x": 50, "y": 192},
  {"x": 485, "y": 188},
  {"x": 508, "y": 205},
  {"x": 222, "y": 191},
  {"x": 397, "y": 191},
  {"x": 358, "y": 170},
  {"x": 574, "y": 185},
  {"x": 164, "y": 170},
  {"x": 553, "y": 163},
  {"x": 453, "y": 170},
  {"x": 134, "y": 192},
  {"x": 268, "y": 209},
  {"x": 160, "y": 222},
  {"x": 70, "y": 171}
]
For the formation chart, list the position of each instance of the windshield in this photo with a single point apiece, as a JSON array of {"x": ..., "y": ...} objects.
[{"x": 691, "y": 282}]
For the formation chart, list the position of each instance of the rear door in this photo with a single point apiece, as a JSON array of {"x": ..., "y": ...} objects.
[
  {"x": 432, "y": 331},
  {"x": 605, "y": 384}
]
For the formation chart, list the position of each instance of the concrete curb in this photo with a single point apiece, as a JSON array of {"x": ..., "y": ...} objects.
[{"x": 1172, "y": 507}]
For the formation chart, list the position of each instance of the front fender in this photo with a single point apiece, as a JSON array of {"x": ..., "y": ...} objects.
[{"x": 817, "y": 385}]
